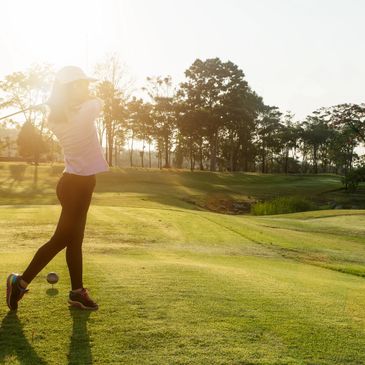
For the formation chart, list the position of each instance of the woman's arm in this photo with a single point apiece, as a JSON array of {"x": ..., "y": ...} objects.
[{"x": 88, "y": 111}]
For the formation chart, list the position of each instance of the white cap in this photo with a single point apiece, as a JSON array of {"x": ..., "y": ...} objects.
[{"x": 72, "y": 73}]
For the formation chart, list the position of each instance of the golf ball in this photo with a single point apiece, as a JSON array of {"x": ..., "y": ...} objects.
[{"x": 52, "y": 278}]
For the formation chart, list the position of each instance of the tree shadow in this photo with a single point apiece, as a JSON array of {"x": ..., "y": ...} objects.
[
  {"x": 14, "y": 343},
  {"x": 79, "y": 351}
]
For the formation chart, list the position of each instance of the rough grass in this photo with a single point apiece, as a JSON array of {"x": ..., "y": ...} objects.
[
  {"x": 283, "y": 205},
  {"x": 177, "y": 188},
  {"x": 177, "y": 285}
]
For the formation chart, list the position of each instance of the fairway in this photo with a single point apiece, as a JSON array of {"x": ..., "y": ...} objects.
[
  {"x": 182, "y": 182},
  {"x": 180, "y": 285}
]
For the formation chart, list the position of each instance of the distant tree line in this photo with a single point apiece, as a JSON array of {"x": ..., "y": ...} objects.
[{"x": 212, "y": 120}]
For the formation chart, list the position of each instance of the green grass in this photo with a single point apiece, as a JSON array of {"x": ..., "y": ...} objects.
[
  {"x": 179, "y": 285},
  {"x": 283, "y": 205}
]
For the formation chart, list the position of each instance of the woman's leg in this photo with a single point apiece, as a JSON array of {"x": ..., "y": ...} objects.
[
  {"x": 50, "y": 249},
  {"x": 74, "y": 245},
  {"x": 57, "y": 242},
  {"x": 71, "y": 192}
]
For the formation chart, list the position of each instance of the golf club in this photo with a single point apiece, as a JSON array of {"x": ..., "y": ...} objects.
[{"x": 22, "y": 111}]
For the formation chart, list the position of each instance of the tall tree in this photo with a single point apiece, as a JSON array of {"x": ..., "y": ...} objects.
[
  {"x": 163, "y": 114},
  {"x": 220, "y": 89},
  {"x": 268, "y": 132},
  {"x": 192, "y": 126},
  {"x": 115, "y": 88},
  {"x": 30, "y": 142},
  {"x": 138, "y": 118},
  {"x": 316, "y": 133},
  {"x": 350, "y": 115},
  {"x": 25, "y": 89},
  {"x": 113, "y": 115},
  {"x": 288, "y": 139}
]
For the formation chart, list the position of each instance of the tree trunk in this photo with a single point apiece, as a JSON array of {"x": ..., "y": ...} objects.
[
  {"x": 201, "y": 166},
  {"x": 116, "y": 154},
  {"x": 142, "y": 153},
  {"x": 351, "y": 158},
  {"x": 231, "y": 154},
  {"x": 131, "y": 151},
  {"x": 263, "y": 161},
  {"x": 213, "y": 152},
  {"x": 315, "y": 164},
  {"x": 110, "y": 144},
  {"x": 159, "y": 159},
  {"x": 303, "y": 159},
  {"x": 191, "y": 154},
  {"x": 245, "y": 158},
  {"x": 286, "y": 161},
  {"x": 167, "y": 165},
  {"x": 149, "y": 154},
  {"x": 106, "y": 146}
]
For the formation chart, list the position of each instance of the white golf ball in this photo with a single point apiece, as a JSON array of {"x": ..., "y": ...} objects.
[{"x": 52, "y": 278}]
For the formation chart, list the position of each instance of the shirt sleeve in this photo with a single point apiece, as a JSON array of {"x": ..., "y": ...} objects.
[{"x": 89, "y": 111}]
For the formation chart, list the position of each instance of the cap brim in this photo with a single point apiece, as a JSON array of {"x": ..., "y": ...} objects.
[{"x": 90, "y": 79}]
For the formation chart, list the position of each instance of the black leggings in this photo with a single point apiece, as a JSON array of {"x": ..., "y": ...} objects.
[{"x": 74, "y": 193}]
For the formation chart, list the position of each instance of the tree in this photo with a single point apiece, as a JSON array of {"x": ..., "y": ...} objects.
[
  {"x": 30, "y": 142},
  {"x": 163, "y": 114},
  {"x": 115, "y": 88},
  {"x": 317, "y": 134},
  {"x": 25, "y": 89},
  {"x": 288, "y": 139},
  {"x": 268, "y": 132},
  {"x": 349, "y": 121},
  {"x": 192, "y": 126},
  {"x": 144, "y": 128},
  {"x": 139, "y": 122},
  {"x": 219, "y": 88},
  {"x": 351, "y": 115},
  {"x": 113, "y": 115}
]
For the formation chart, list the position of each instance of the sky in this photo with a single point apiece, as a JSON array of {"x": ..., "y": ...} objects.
[{"x": 298, "y": 55}]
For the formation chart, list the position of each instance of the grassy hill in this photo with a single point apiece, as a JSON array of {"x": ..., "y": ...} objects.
[
  {"x": 177, "y": 188},
  {"x": 179, "y": 284}
]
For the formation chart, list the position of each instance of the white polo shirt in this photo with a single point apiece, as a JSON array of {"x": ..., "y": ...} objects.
[{"x": 83, "y": 154}]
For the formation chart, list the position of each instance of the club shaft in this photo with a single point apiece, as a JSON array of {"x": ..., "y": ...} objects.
[{"x": 20, "y": 111}]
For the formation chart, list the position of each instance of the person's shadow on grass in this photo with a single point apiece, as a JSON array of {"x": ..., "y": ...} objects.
[
  {"x": 79, "y": 351},
  {"x": 13, "y": 342}
]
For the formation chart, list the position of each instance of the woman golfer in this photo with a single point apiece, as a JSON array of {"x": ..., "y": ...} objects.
[{"x": 72, "y": 115}]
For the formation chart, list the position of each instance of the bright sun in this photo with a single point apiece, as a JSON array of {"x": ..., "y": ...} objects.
[{"x": 63, "y": 32}]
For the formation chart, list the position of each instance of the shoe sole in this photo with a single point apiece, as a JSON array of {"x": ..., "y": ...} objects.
[
  {"x": 9, "y": 289},
  {"x": 81, "y": 306}
]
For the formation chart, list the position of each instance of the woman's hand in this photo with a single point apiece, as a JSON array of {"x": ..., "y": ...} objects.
[{"x": 77, "y": 105}]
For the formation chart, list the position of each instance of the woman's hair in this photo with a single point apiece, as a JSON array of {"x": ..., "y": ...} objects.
[{"x": 59, "y": 103}]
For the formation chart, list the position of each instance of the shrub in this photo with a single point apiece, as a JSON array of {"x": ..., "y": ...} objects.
[
  {"x": 56, "y": 170},
  {"x": 354, "y": 178},
  {"x": 282, "y": 205},
  {"x": 17, "y": 171}
]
